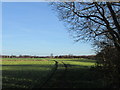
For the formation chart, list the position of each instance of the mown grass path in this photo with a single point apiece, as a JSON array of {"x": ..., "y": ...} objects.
[
  {"x": 50, "y": 75},
  {"x": 75, "y": 74},
  {"x": 58, "y": 78}
]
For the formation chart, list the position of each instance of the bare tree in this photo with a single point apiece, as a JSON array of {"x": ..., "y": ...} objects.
[{"x": 91, "y": 20}]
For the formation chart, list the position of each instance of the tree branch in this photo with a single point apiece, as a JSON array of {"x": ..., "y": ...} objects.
[{"x": 114, "y": 17}]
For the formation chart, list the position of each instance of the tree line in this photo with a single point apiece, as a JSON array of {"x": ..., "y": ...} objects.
[{"x": 60, "y": 56}]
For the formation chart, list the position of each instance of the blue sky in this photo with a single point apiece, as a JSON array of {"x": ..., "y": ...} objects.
[{"x": 34, "y": 29}]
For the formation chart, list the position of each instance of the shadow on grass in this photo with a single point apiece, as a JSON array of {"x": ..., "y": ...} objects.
[
  {"x": 24, "y": 76},
  {"x": 76, "y": 77},
  {"x": 26, "y": 65},
  {"x": 84, "y": 77}
]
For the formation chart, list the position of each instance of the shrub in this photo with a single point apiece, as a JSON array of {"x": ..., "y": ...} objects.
[{"x": 109, "y": 61}]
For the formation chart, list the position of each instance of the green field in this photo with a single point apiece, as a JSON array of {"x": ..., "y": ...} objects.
[{"x": 49, "y": 73}]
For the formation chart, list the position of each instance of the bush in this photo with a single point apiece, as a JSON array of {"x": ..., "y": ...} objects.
[{"x": 108, "y": 61}]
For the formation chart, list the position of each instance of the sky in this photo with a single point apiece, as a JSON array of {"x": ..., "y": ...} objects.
[{"x": 33, "y": 28}]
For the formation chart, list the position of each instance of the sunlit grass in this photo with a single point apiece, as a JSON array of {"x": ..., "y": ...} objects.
[{"x": 77, "y": 61}]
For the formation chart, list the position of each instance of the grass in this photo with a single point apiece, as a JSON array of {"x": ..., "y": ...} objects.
[
  {"x": 78, "y": 75},
  {"x": 33, "y": 72},
  {"x": 25, "y": 74}
]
